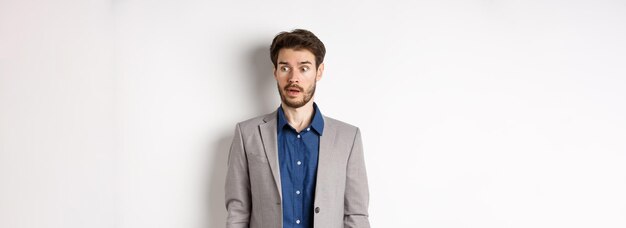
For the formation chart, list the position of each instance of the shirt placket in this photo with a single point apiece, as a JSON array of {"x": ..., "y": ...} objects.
[{"x": 299, "y": 184}]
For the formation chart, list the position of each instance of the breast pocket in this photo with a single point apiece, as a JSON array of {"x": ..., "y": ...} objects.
[{"x": 257, "y": 157}]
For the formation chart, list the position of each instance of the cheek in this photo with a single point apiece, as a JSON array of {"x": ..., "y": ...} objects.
[
  {"x": 282, "y": 79},
  {"x": 312, "y": 75},
  {"x": 282, "y": 83}
]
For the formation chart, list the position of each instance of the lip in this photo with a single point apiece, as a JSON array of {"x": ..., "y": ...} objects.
[{"x": 293, "y": 92}]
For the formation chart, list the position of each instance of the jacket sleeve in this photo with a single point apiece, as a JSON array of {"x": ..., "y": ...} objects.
[
  {"x": 238, "y": 198},
  {"x": 356, "y": 198}
]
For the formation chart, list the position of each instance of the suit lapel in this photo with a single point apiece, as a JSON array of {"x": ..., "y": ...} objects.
[
  {"x": 270, "y": 141},
  {"x": 325, "y": 161}
]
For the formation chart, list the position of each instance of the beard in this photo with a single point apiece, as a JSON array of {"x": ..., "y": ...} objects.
[{"x": 297, "y": 103}]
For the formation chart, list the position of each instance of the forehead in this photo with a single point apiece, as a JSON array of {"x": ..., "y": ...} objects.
[{"x": 295, "y": 56}]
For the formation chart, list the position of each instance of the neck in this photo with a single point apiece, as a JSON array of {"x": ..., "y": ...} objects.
[{"x": 301, "y": 117}]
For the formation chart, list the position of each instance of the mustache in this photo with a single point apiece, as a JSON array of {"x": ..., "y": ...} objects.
[{"x": 293, "y": 86}]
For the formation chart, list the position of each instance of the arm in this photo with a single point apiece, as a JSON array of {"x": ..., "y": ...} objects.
[
  {"x": 238, "y": 200},
  {"x": 356, "y": 197}
]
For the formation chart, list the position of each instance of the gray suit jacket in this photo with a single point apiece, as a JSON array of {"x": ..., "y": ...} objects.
[{"x": 253, "y": 190}]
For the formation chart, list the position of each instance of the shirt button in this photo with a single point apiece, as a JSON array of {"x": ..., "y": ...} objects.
[
  {"x": 308, "y": 129},
  {"x": 298, "y": 136},
  {"x": 298, "y": 192},
  {"x": 298, "y": 221},
  {"x": 299, "y": 163}
]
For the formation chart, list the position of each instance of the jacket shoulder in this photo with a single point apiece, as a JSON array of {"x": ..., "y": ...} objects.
[
  {"x": 340, "y": 125},
  {"x": 253, "y": 123}
]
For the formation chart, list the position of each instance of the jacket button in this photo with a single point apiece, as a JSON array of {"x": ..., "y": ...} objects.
[{"x": 317, "y": 210}]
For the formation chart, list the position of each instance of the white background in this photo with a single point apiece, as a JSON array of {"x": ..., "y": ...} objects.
[{"x": 484, "y": 114}]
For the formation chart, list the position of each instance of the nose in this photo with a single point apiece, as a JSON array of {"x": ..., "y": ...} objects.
[{"x": 294, "y": 76}]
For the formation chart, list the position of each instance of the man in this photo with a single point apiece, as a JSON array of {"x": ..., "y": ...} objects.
[{"x": 295, "y": 167}]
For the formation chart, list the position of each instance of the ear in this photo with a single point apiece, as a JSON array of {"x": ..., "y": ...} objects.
[
  {"x": 320, "y": 71},
  {"x": 275, "y": 77}
]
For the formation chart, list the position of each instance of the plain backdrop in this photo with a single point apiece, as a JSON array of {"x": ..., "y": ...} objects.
[{"x": 480, "y": 113}]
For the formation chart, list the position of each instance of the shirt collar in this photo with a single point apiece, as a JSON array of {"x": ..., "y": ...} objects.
[{"x": 317, "y": 123}]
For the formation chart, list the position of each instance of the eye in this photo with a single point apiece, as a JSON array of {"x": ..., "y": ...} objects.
[
  {"x": 305, "y": 69},
  {"x": 284, "y": 69}
]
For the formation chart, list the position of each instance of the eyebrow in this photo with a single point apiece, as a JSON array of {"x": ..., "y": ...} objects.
[{"x": 300, "y": 63}]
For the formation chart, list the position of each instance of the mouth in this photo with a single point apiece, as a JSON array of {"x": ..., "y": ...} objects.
[{"x": 293, "y": 91}]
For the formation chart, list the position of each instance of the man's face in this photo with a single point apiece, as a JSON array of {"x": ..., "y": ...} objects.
[{"x": 296, "y": 76}]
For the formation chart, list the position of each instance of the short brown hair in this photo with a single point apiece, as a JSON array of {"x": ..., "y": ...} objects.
[{"x": 298, "y": 39}]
